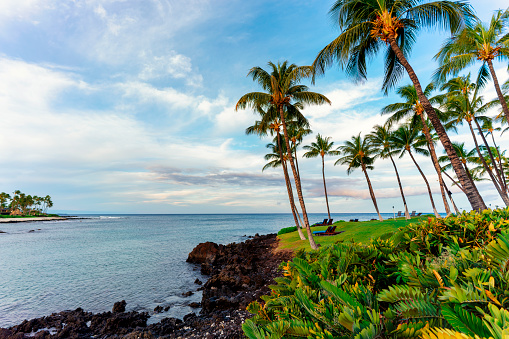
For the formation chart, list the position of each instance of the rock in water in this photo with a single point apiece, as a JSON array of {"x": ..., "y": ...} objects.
[
  {"x": 205, "y": 252},
  {"x": 119, "y": 307}
]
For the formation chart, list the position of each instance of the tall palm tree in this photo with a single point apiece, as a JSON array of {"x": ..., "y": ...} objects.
[
  {"x": 283, "y": 91},
  {"x": 381, "y": 139},
  {"x": 370, "y": 25},
  {"x": 412, "y": 109},
  {"x": 322, "y": 146},
  {"x": 359, "y": 153},
  {"x": 465, "y": 105},
  {"x": 477, "y": 43},
  {"x": 296, "y": 132},
  {"x": 405, "y": 140},
  {"x": 278, "y": 158},
  {"x": 270, "y": 124}
]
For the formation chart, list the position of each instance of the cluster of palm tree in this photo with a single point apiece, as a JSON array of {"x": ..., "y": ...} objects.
[
  {"x": 416, "y": 124},
  {"x": 23, "y": 204}
]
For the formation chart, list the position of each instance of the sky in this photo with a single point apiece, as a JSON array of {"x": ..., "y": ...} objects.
[{"x": 123, "y": 106}]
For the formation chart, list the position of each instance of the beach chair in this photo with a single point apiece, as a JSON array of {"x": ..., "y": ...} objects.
[
  {"x": 419, "y": 214},
  {"x": 331, "y": 231},
  {"x": 323, "y": 223},
  {"x": 351, "y": 220},
  {"x": 327, "y": 230},
  {"x": 413, "y": 214},
  {"x": 399, "y": 213},
  {"x": 330, "y": 222},
  {"x": 356, "y": 220}
]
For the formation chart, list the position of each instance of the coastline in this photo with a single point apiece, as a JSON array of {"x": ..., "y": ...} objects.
[
  {"x": 30, "y": 219},
  {"x": 238, "y": 274}
]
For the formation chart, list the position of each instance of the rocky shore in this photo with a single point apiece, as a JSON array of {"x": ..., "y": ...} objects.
[{"x": 239, "y": 273}]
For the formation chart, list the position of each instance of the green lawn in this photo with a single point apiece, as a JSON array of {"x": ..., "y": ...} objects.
[{"x": 361, "y": 231}]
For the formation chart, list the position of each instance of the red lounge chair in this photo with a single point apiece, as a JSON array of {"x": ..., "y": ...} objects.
[{"x": 330, "y": 222}]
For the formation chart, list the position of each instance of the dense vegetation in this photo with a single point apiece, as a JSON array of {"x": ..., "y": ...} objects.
[
  {"x": 23, "y": 204},
  {"x": 437, "y": 278}
]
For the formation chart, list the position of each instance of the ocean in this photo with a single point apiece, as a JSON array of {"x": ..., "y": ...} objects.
[{"x": 93, "y": 263}]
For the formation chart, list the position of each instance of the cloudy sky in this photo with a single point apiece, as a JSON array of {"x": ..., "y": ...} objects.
[{"x": 124, "y": 106}]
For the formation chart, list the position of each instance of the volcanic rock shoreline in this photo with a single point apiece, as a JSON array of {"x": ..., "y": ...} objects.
[{"x": 239, "y": 273}]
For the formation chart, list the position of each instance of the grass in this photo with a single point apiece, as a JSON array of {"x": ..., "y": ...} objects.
[{"x": 361, "y": 231}]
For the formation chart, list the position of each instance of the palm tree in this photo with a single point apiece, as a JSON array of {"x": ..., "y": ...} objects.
[
  {"x": 270, "y": 123},
  {"x": 488, "y": 128},
  {"x": 412, "y": 109},
  {"x": 282, "y": 90},
  {"x": 381, "y": 138},
  {"x": 359, "y": 153},
  {"x": 464, "y": 104},
  {"x": 322, "y": 146},
  {"x": 477, "y": 43},
  {"x": 370, "y": 25},
  {"x": 405, "y": 139},
  {"x": 4, "y": 197},
  {"x": 467, "y": 157},
  {"x": 296, "y": 132}
]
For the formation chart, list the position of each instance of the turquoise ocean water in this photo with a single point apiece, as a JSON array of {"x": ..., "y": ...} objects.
[{"x": 92, "y": 263}]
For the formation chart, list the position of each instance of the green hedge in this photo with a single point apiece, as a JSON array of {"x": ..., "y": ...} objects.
[{"x": 287, "y": 230}]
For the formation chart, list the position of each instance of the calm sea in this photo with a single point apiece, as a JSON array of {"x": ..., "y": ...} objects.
[{"x": 92, "y": 263}]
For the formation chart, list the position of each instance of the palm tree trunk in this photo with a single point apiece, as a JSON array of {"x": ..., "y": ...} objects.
[
  {"x": 452, "y": 201},
  {"x": 497, "y": 88},
  {"x": 296, "y": 178},
  {"x": 371, "y": 192},
  {"x": 504, "y": 197},
  {"x": 454, "y": 181},
  {"x": 407, "y": 215},
  {"x": 289, "y": 188},
  {"x": 297, "y": 163},
  {"x": 499, "y": 159},
  {"x": 497, "y": 171},
  {"x": 427, "y": 185},
  {"x": 434, "y": 159},
  {"x": 325, "y": 187},
  {"x": 472, "y": 193}
]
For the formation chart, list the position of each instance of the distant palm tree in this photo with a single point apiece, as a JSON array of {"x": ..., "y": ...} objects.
[
  {"x": 359, "y": 153},
  {"x": 322, "y": 146},
  {"x": 412, "y": 109},
  {"x": 405, "y": 139},
  {"x": 368, "y": 26},
  {"x": 381, "y": 138},
  {"x": 4, "y": 197},
  {"x": 282, "y": 91},
  {"x": 464, "y": 104},
  {"x": 477, "y": 43}
]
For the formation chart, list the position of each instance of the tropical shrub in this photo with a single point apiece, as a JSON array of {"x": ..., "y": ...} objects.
[
  {"x": 438, "y": 278},
  {"x": 287, "y": 230}
]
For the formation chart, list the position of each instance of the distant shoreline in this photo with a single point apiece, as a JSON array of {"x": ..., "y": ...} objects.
[{"x": 29, "y": 219}]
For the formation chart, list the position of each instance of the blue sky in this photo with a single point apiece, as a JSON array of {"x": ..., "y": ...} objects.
[{"x": 120, "y": 106}]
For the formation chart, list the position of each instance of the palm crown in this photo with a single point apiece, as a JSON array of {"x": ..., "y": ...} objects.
[
  {"x": 357, "y": 153},
  {"x": 322, "y": 146},
  {"x": 368, "y": 25}
]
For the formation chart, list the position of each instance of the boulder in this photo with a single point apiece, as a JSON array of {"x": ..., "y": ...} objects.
[
  {"x": 119, "y": 306},
  {"x": 205, "y": 252}
]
